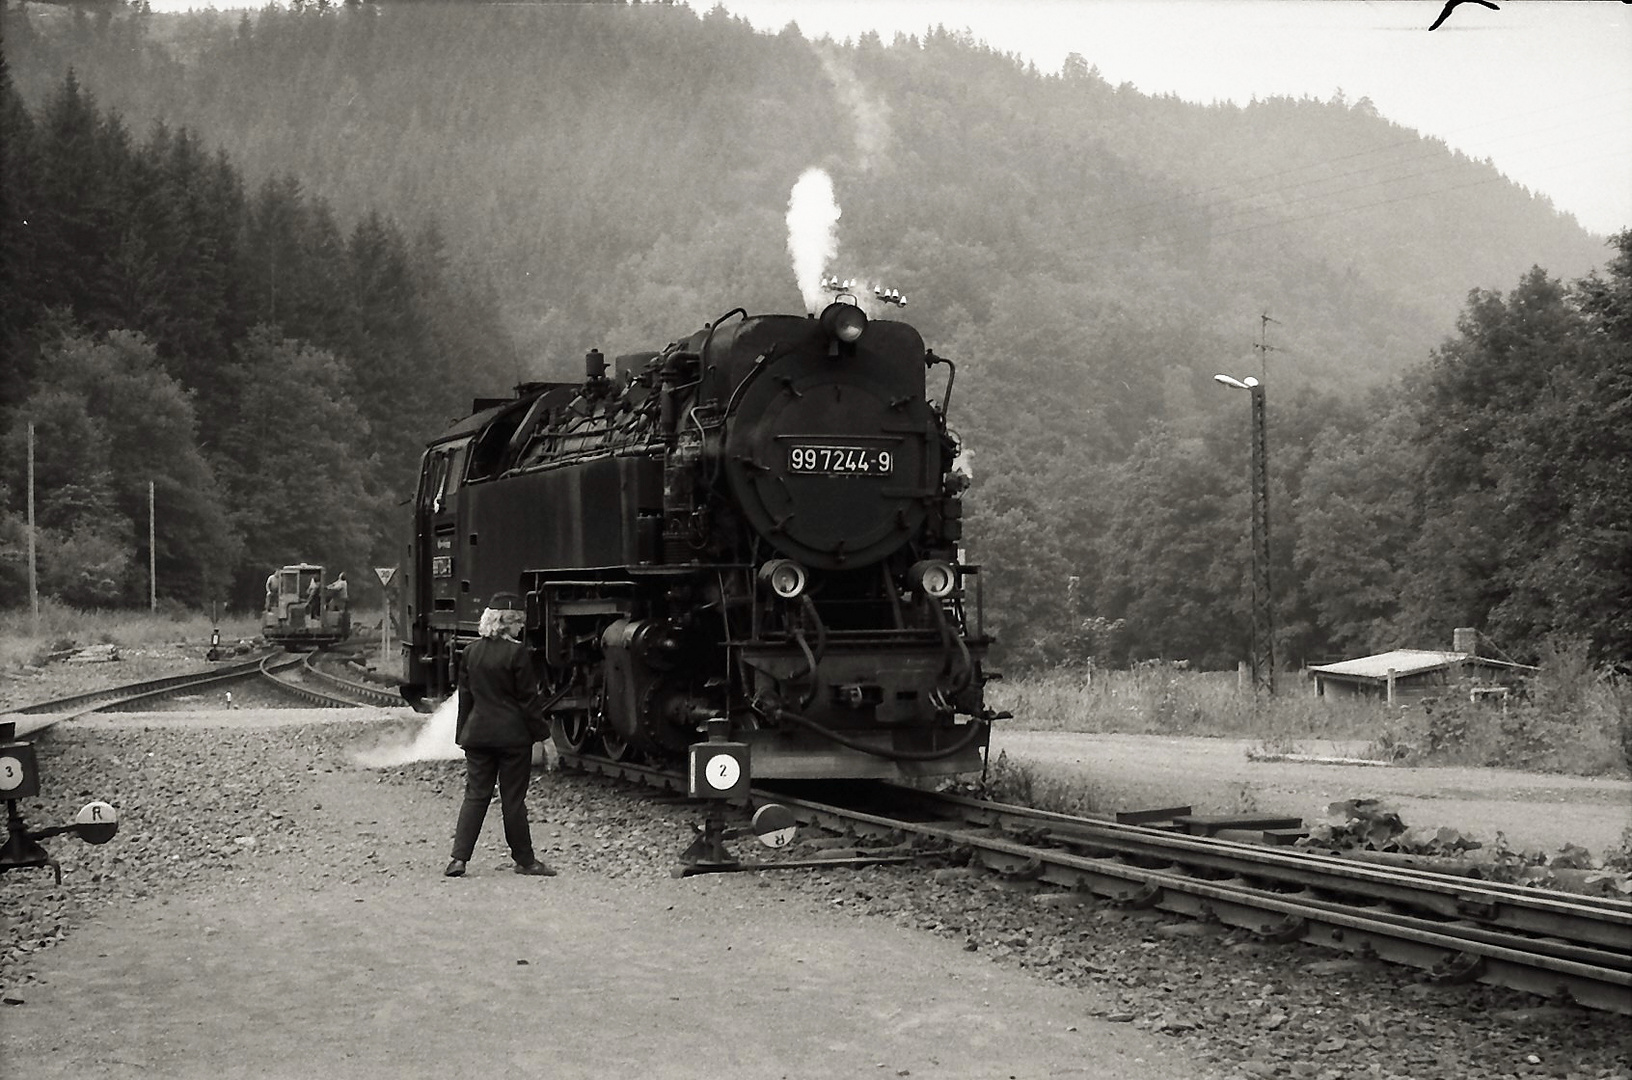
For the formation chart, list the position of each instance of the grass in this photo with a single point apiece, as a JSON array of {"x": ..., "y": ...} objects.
[
  {"x": 60, "y": 627},
  {"x": 1165, "y": 701},
  {"x": 1572, "y": 718},
  {"x": 1045, "y": 787}
]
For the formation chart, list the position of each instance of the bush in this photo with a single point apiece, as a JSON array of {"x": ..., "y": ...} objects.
[
  {"x": 1565, "y": 723},
  {"x": 1571, "y": 718},
  {"x": 84, "y": 567},
  {"x": 1164, "y": 699}
]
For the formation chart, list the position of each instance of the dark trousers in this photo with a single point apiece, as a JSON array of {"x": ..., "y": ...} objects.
[{"x": 513, "y": 766}]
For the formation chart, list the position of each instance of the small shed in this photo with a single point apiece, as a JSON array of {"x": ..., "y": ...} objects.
[{"x": 1405, "y": 675}]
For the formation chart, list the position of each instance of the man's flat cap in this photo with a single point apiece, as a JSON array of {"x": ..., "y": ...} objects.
[{"x": 505, "y": 601}]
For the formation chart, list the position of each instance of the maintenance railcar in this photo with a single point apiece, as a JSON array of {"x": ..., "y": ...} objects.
[{"x": 297, "y": 615}]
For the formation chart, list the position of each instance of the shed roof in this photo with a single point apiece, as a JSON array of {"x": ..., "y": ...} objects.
[
  {"x": 1402, "y": 661},
  {"x": 1407, "y": 662}
]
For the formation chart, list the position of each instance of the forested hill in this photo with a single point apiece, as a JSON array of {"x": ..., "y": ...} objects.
[
  {"x": 233, "y": 365},
  {"x": 1088, "y": 255},
  {"x": 624, "y": 170}
]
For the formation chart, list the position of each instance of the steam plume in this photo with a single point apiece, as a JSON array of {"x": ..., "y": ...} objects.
[
  {"x": 813, "y": 217},
  {"x": 434, "y": 742},
  {"x": 870, "y": 114}
]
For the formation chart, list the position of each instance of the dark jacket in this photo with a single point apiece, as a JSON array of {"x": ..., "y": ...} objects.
[{"x": 498, "y": 696}]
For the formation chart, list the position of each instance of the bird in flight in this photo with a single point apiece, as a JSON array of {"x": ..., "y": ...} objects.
[{"x": 1450, "y": 6}]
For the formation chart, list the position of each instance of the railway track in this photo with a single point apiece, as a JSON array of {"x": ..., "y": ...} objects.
[
  {"x": 297, "y": 675},
  {"x": 329, "y": 690},
  {"x": 1455, "y": 929}
]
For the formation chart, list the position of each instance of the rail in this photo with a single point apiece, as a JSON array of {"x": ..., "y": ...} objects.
[
  {"x": 1453, "y": 928},
  {"x": 331, "y": 691},
  {"x": 44, "y": 714}
]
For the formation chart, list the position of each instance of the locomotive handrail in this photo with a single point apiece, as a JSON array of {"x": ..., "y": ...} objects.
[
  {"x": 808, "y": 607},
  {"x": 715, "y": 325},
  {"x": 737, "y": 391},
  {"x": 930, "y": 360},
  {"x": 968, "y": 666},
  {"x": 810, "y": 669}
]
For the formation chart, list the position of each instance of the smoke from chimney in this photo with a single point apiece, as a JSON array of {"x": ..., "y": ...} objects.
[{"x": 813, "y": 241}]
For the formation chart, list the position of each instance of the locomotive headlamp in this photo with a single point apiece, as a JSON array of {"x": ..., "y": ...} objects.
[
  {"x": 935, "y": 578},
  {"x": 784, "y": 577},
  {"x": 845, "y": 322}
]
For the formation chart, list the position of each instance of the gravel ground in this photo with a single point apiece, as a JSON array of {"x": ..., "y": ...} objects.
[
  {"x": 20, "y": 686},
  {"x": 204, "y": 806}
]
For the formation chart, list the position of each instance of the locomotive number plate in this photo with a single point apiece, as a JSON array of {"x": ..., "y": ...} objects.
[{"x": 840, "y": 460}]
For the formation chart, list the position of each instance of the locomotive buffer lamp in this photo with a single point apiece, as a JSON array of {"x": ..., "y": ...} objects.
[{"x": 96, "y": 822}]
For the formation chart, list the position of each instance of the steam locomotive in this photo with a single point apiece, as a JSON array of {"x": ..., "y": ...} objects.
[{"x": 758, "y": 523}]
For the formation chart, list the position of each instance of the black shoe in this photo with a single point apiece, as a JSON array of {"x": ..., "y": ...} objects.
[
  {"x": 456, "y": 868},
  {"x": 534, "y": 869}
]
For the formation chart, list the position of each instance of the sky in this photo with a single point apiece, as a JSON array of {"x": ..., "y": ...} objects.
[{"x": 1543, "y": 88}]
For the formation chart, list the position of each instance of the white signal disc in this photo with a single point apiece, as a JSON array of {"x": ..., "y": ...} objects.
[
  {"x": 775, "y": 825},
  {"x": 779, "y": 838},
  {"x": 97, "y": 813},
  {"x": 11, "y": 773},
  {"x": 97, "y": 822},
  {"x": 722, "y": 772}
]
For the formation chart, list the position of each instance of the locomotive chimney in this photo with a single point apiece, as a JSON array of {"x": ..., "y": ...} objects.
[{"x": 594, "y": 365}]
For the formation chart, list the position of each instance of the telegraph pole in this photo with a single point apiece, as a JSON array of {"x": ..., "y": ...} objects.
[
  {"x": 152, "y": 557},
  {"x": 1263, "y": 607},
  {"x": 33, "y": 573}
]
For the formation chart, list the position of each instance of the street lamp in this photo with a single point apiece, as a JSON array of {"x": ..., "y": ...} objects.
[{"x": 1263, "y": 605}]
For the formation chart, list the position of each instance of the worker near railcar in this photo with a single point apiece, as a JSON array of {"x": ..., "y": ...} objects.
[
  {"x": 499, "y": 719},
  {"x": 337, "y": 594},
  {"x": 272, "y": 591}
]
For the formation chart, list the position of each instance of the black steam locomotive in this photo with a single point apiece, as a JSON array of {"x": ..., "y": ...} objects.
[{"x": 760, "y": 523}]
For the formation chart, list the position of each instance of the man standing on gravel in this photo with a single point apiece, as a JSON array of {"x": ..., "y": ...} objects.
[{"x": 498, "y": 723}]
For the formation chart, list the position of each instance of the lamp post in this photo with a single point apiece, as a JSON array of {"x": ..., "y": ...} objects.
[{"x": 1263, "y": 605}]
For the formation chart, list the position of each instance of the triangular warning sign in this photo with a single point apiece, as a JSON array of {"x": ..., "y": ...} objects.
[{"x": 386, "y": 573}]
